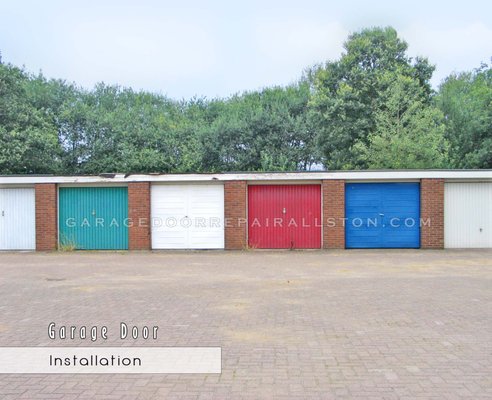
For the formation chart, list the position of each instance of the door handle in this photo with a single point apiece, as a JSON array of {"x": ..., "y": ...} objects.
[
  {"x": 284, "y": 210},
  {"x": 3, "y": 213}
]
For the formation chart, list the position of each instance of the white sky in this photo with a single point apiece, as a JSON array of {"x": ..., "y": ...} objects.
[{"x": 217, "y": 48}]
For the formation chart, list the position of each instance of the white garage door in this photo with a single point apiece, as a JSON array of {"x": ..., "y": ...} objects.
[
  {"x": 187, "y": 216},
  {"x": 468, "y": 215},
  {"x": 17, "y": 219}
]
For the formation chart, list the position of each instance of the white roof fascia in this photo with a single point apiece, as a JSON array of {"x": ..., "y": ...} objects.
[{"x": 260, "y": 176}]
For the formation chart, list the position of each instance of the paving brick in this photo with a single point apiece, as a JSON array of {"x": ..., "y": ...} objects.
[{"x": 291, "y": 324}]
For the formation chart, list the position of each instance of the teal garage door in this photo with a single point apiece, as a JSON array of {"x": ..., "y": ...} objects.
[{"x": 93, "y": 218}]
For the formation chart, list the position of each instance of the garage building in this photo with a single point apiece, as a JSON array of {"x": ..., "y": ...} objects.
[{"x": 427, "y": 209}]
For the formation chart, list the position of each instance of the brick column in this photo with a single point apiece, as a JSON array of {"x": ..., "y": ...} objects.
[
  {"x": 139, "y": 214},
  {"x": 46, "y": 216},
  {"x": 235, "y": 193},
  {"x": 333, "y": 213},
  {"x": 432, "y": 213}
]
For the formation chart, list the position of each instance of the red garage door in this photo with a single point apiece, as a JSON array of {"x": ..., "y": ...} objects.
[{"x": 284, "y": 216}]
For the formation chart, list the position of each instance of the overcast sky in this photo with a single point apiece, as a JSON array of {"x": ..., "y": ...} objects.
[{"x": 217, "y": 48}]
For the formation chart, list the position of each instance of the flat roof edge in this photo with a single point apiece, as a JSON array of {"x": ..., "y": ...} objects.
[{"x": 251, "y": 176}]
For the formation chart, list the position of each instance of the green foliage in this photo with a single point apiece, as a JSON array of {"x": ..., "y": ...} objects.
[
  {"x": 349, "y": 92},
  {"x": 466, "y": 101},
  {"x": 372, "y": 108},
  {"x": 28, "y": 139},
  {"x": 260, "y": 131},
  {"x": 67, "y": 244},
  {"x": 408, "y": 133}
]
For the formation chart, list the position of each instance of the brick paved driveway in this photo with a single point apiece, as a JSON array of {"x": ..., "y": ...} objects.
[{"x": 348, "y": 324}]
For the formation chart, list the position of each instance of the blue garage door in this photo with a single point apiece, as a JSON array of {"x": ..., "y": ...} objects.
[{"x": 382, "y": 215}]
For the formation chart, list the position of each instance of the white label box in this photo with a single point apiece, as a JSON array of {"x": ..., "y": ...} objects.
[{"x": 110, "y": 360}]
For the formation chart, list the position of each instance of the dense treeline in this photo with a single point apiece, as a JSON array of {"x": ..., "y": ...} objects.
[{"x": 372, "y": 108}]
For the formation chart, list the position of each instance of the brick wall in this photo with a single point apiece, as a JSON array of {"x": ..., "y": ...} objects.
[
  {"x": 432, "y": 213},
  {"x": 139, "y": 214},
  {"x": 235, "y": 193},
  {"x": 46, "y": 217},
  {"x": 333, "y": 213}
]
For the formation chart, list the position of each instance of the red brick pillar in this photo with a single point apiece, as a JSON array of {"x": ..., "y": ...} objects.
[
  {"x": 432, "y": 213},
  {"x": 46, "y": 216},
  {"x": 235, "y": 193},
  {"x": 139, "y": 215},
  {"x": 333, "y": 213}
]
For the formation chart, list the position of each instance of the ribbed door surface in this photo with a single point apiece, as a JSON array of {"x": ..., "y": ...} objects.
[
  {"x": 468, "y": 215},
  {"x": 94, "y": 218},
  {"x": 187, "y": 216},
  {"x": 382, "y": 215},
  {"x": 284, "y": 216},
  {"x": 17, "y": 219}
]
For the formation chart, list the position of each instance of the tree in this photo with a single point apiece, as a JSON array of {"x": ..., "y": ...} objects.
[
  {"x": 266, "y": 130},
  {"x": 372, "y": 108},
  {"x": 466, "y": 101},
  {"x": 347, "y": 92},
  {"x": 408, "y": 133},
  {"x": 28, "y": 138},
  {"x": 113, "y": 129}
]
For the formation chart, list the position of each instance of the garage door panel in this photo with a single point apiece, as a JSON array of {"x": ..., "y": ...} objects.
[
  {"x": 404, "y": 209},
  {"x": 198, "y": 211},
  {"x": 172, "y": 208},
  {"x": 93, "y": 218},
  {"x": 206, "y": 240},
  {"x": 17, "y": 219},
  {"x": 468, "y": 215},
  {"x": 382, "y": 215},
  {"x": 398, "y": 205},
  {"x": 400, "y": 235},
  {"x": 398, "y": 194},
  {"x": 363, "y": 214},
  {"x": 372, "y": 236},
  {"x": 284, "y": 216},
  {"x": 169, "y": 240}
]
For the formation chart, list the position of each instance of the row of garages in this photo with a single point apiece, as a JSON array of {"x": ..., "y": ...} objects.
[{"x": 281, "y": 211}]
